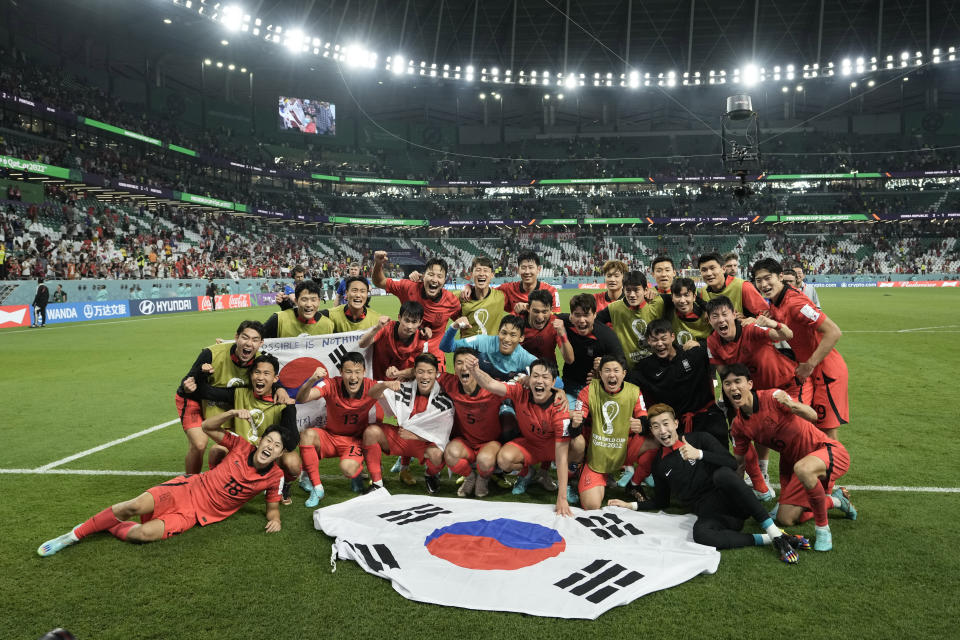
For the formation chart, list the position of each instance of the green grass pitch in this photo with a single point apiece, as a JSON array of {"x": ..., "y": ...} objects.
[{"x": 68, "y": 388}]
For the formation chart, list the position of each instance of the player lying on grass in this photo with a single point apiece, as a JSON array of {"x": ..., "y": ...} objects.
[
  {"x": 185, "y": 501},
  {"x": 699, "y": 473},
  {"x": 809, "y": 460},
  {"x": 351, "y": 406}
]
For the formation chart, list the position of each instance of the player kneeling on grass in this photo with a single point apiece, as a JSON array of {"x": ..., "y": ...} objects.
[
  {"x": 351, "y": 406},
  {"x": 178, "y": 504},
  {"x": 809, "y": 460},
  {"x": 610, "y": 411},
  {"x": 425, "y": 416},
  {"x": 699, "y": 473}
]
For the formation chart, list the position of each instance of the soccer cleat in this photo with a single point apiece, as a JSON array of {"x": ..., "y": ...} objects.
[
  {"x": 763, "y": 497},
  {"x": 357, "y": 484},
  {"x": 649, "y": 480},
  {"x": 520, "y": 486},
  {"x": 396, "y": 466},
  {"x": 305, "y": 483},
  {"x": 468, "y": 484},
  {"x": 51, "y": 547},
  {"x": 787, "y": 553},
  {"x": 433, "y": 482},
  {"x": 373, "y": 487},
  {"x": 285, "y": 493},
  {"x": 824, "y": 540},
  {"x": 407, "y": 478},
  {"x": 545, "y": 480},
  {"x": 798, "y": 542},
  {"x": 482, "y": 489},
  {"x": 572, "y": 497},
  {"x": 841, "y": 494},
  {"x": 625, "y": 477},
  {"x": 316, "y": 495}
]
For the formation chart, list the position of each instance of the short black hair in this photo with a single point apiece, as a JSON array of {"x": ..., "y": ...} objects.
[
  {"x": 523, "y": 256},
  {"x": 465, "y": 351},
  {"x": 659, "y": 259},
  {"x": 352, "y": 356},
  {"x": 551, "y": 367},
  {"x": 709, "y": 257},
  {"x": 351, "y": 279},
  {"x": 288, "y": 437},
  {"x": 256, "y": 325},
  {"x": 481, "y": 261},
  {"x": 635, "y": 279},
  {"x": 719, "y": 303},
  {"x": 412, "y": 309},
  {"x": 660, "y": 325},
  {"x": 440, "y": 262},
  {"x": 309, "y": 286},
  {"x": 542, "y": 296},
  {"x": 266, "y": 357},
  {"x": 513, "y": 321},
  {"x": 584, "y": 302},
  {"x": 427, "y": 358},
  {"x": 612, "y": 357},
  {"x": 766, "y": 264},
  {"x": 735, "y": 369},
  {"x": 297, "y": 269},
  {"x": 679, "y": 284}
]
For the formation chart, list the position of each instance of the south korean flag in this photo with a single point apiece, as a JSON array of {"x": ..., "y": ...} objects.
[{"x": 461, "y": 553}]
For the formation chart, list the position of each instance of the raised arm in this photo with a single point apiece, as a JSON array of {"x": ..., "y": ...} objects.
[
  {"x": 308, "y": 392},
  {"x": 367, "y": 339},
  {"x": 777, "y": 330},
  {"x": 379, "y": 259},
  {"x": 376, "y": 391},
  {"x": 213, "y": 426},
  {"x": 483, "y": 379},
  {"x": 806, "y": 412},
  {"x": 566, "y": 349}
]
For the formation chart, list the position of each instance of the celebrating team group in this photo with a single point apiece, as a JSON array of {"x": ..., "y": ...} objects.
[{"x": 635, "y": 404}]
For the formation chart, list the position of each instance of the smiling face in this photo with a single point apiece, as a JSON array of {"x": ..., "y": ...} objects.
[
  {"x": 529, "y": 272},
  {"x": 510, "y": 338},
  {"x": 712, "y": 274},
  {"x": 539, "y": 314},
  {"x": 269, "y": 449},
  {"x": 307, "y": 304},
  {"x": 661, "y": 344},
  {"x": 768, "y": 284},
  {"x": 612, "y": 375},
  {"x": 426, "y": 376},
  {"x": 633, "y": 296},
  {"x": 433, "y": 279},
  {"x": 683, "y": 300},
  {"x": 352, "y": 374},
  {"x": 799, "y": 273},
  {"x": 357, "y": 295},
  {"x": 540, "y": 382},
  {"x": 663, "y": 428},
  {"x": 247, "y": 345},
  {"x": 664, "y": 273},
  {"x": 262, "y": 378},
  {"x": 481, "y": 275},
  {"x": 739, "y": 391},
  {"x": 723, "y": 321}
]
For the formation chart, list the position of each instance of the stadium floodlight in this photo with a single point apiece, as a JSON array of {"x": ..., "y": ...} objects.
[
  {"x": 853, "y": 85},
  {"x": 231, "y": 66},
  {"x": 207, "y": 61},
  {"x": 751, "y": 75},
  {"x": 785, "y": 89},
  {"x": 559, "y": 96},
  {"x": 219, "y": 65},
  {"x": 570, "y": 82},
  {"x": 396, "y": 64},
  {"x": 800, "y": 88},
  {"x": 224, "y": 42},
  {"x": 634, "y": 79},
  {"x": 167, "y": 21},
  {"x": 243, "y": 69},
  {"x": 293, "y": 40},
  {"x": 871, "y": 83},
  {"x": 232, "y": 17}
]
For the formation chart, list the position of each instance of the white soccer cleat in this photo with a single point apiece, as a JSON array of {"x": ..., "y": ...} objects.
[{"x": 51, "y": 547}]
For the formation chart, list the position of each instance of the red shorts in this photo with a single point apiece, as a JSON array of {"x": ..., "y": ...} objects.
[
  {"x": 535, "y": 451},
  {"x": 590, "y": 479},
  {"x": 401, "y": 446},
  {"x": 191, "y": 416},
  {"x": 837, "y": 459},
  {"x": 173, "y": 505},
  {"x": 826, "y": 392},
  {"x": 343, "y": 447}
]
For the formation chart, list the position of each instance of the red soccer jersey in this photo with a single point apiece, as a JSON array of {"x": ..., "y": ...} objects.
[
  {"x": 773, "y": 425},
  {"x": 218, "y": 493},
  {"x": 795, "y": 310},
  {"x": 476, "y": 417},
  {"x": 389, "y": 351},
  {"x": 769, "y": 368},
  {"x": 347, "y": 416},
  {"x": 546, "y": 422},
  {"x": 603, "y": 301},
  {"x": 583, "y": 404},
  {"x": 513, "y": 293},
  {"x": 541, "y": 343},
  {"x": 436, "y": 311}
]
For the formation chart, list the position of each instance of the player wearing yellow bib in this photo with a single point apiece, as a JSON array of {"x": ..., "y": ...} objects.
[
  {"x": 355, "y": 313},
  {"x": 746, "y": 300},
  {"x": 610, "y": 411},
  {"x": 304, "y": 319},
  {"x": 688, "y": 315},
  {"x": 630, "y": 316},
  {"x": 484, "y": 306}
]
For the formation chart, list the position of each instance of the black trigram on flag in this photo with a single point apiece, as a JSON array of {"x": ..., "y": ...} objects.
[
  {"x": 598, "y": 580},
  {"x": 412, "y": 514},
  {"x": 337, "y": 356},
  {"x": 608, "y": 526},
  {"x": 443, "y": 402},
  {"x": 377, "y": 556},
  {"x": 406, "y": 394}
]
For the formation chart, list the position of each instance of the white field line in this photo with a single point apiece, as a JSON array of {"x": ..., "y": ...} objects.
[
  {"x": 930, "y": 329},
  {"x": 100, "y": 323},
  {"x": 107, "y": 445}
]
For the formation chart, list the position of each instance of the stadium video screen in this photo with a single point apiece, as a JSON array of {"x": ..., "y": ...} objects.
[{"x": 313, "y": 117}]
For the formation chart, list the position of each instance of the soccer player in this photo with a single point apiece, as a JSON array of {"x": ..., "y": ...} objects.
[
  {"x": 286, "y": 298},
  {"x": 731, "y": 265},
  {"x": 472, "y": 452},
  {"x": 810, "y": 461},
  {"x": 351, "y": 406},
  {"x": 610, "y": 411},
  {"x": 439, "y": 305},
  {"x": 396, "y": 342},
  {"x": 517, "y": 293},
  {"x": 630, "y": 316},
  {"x": 421, "y": 404},
  {"x": 746, "y": 301},
  {"x": 227, "y": 365},
  {"x": 544, "y": 333},
  {"x": 821, "y": 368},
  {"x": 687, "y": 313},
  {"x": 590, "y": 340},
  {"x": 614, "y": 271},
  {"x": 698, "y": 472},
  {"x": 664, "y": 273},
  {"x": 484, "y": 305},
  {"x": 353, "y": 271},
  {"x": 501, "y": 355},
  {"x": 182, "y": 502},
  {"x": 301, "y": 320},
  {"x": 355, "y": 313},
  {"x": 544, "y": 426}
]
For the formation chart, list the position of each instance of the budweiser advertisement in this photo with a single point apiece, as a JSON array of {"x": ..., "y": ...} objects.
[
  {"x": 224, "y": 301},
  {"x": 920, "y": 283},
  {"x": 14, "y": 316}
]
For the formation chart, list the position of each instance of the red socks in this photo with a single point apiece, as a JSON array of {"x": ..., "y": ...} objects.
[
  {"x": 434, "y": 469},
  {"x": 121, "y": 530},
  {"x": 311, "y": 463},
  {"x": 372, "y": 455},
  {"x": 462, "y": 468},
  {"x": 752, "y": 462},
  {"x": 100, "y": 522},
  {"x": 819, "y": 503}
]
